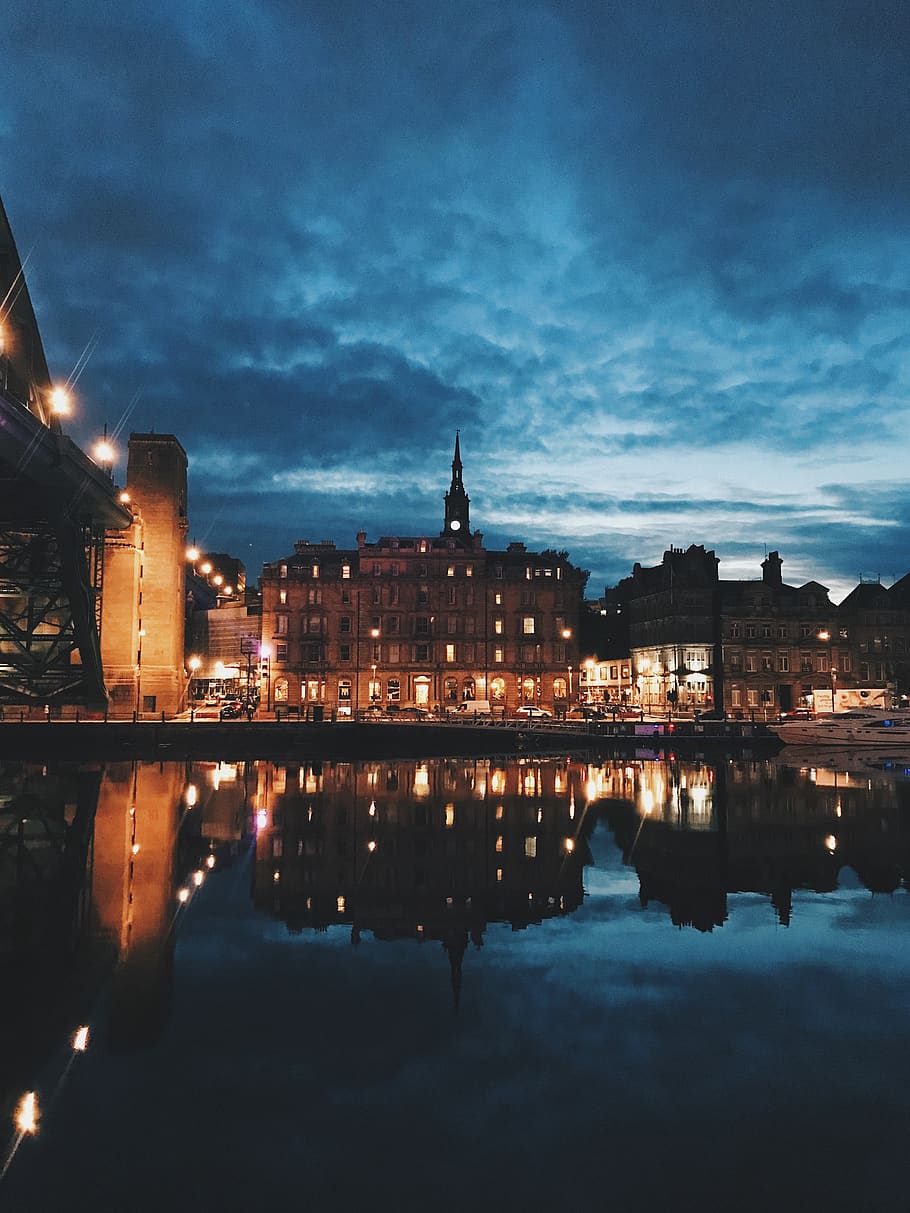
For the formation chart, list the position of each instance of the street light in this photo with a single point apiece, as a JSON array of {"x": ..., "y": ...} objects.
[
  {"x": 265, "y": 653},
  {"x": 194, "y": 663},
  {"x": 374, "y": 688}
]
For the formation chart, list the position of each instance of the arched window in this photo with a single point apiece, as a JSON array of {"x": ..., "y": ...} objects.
[
  {"x": 527, "y": 690},
  {"x": 468, "y": 690},
  {"x": 451, "y": 690},
  {"x": 281, "y": 690},
  {"x": 559, "y": 688}
]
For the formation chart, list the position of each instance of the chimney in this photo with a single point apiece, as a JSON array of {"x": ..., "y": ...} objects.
[{"x": 770, "y": 569}]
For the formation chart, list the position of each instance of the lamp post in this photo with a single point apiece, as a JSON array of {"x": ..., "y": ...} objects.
[
  {"x": 833, "y": 689},
  {"x": 139, "y": 636},
  {"x": 265, "y": 653},
  {"x": 194, "y": 663},
  {"x": 374, "y": 688}
]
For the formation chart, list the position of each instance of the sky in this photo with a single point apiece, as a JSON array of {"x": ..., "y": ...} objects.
[{"x": 649, "y": 257}]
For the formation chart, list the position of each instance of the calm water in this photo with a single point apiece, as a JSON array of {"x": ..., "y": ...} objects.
[{"x": 457, "y": 984}]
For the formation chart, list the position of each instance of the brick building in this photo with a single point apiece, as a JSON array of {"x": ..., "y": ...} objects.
[{"x": 421, "y": 620}]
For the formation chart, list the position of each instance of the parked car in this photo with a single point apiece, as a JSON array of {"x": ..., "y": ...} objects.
[
  {"x": 231, "y": 709},
  {"x": 529, "y": 712},
  {"x": 471, "y": 708}
]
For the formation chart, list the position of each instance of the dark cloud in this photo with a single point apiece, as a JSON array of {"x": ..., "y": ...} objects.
[{"x": 649, "y": 257}]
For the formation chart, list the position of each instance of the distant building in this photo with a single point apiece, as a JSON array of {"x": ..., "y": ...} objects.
[
  {"x": 750, "y": 647},
  {"x": 421, "y": 620}
]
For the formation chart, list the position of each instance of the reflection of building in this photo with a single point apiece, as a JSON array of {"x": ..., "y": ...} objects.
[
  {"x": 421, "y": 620},
  {"x": 696, "y": 833},
  {"x": 421, "y": 850}
]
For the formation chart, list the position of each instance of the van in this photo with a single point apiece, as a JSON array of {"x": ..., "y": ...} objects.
[{"x": 471, "y": 709}]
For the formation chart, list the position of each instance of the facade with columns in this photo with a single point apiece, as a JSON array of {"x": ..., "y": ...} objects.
[{"x": 421, "y": 621}]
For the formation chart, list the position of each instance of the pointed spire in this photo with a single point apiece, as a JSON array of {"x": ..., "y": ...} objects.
[{"x": 457, "y": 501}]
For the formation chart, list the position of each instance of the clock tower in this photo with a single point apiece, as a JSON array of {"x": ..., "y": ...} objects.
[{"x": 457, "y": 523}]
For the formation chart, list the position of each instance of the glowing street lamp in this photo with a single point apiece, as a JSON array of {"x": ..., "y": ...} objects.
[{"x": 60, "y": 402}]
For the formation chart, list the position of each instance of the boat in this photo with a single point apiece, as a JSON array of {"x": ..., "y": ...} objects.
[{"x": 851, "y": 729}]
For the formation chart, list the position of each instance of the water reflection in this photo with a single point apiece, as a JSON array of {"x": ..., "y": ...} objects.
[{"x": 202, "y": 916}]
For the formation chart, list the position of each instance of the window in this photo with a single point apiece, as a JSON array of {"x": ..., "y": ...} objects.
[
  {"x": 149, "y": 703},
  {"x": 469, "y": 570},
  {"x": 451, "y": 624},
  {"x": 469, "y": 624},
  {"x": 393, "y": 568},
  {"x": 281, "y": 625},
  {"x": 423, "y": 594},
  {"x": 783, "y": 663},
  {"x": 394, "y": 650},
  {"x": 313, "y": 596},
  {"x": 375, "y": 596},
  {"x": 736, "y": 661},
  {"x": 734, "y": 631},
  {"x": 498, "y": 655},
  {"x": 736, "y": 697},
  {"x": 283, "y": 597},
  {"x": 281, "y": 651},
  {"x": 559, "y": 651},
  {"x": 497, "y": 598},
  {"x": 527, "y": 652},
  {"x": 315, "y": 570},
  {"x": 752, "y": 698},
  {"x": 314, "y": 625},
  {"x": 393, "y": 625},
  {"x": 750, "y": 631},
  {"x": 498, "y": 625},
  {"x": 527, "y": 598},
  {"x": 451, "y": 596},
  {"x": 751, "y": 663},
  {"x": 531, "y": 846},
  {"x": 766, "y": 630},
  {"x": 422, "y": 625},
  {"x": 450, "y": 652},
  {"x": 781, "y": 631},
  {"x": 312, "y": 652},
  {"x": 421, "y": 652},
  {"x": 528, "y": 625},
  {"x": 377, "y": 568},
  {"x": 468, "y": 654},
  {"x": 767, "y": 662},
  {"x": 345, "y": 572},
  {"x": 497, "y": 572},
  {"x": 283, "y": 570},
  {"x": 344, "y": 689},
  {"x": 845, "y": 663},
  {"x": 450, "y": 571},
  {"x": 344, "y": 652},
  {"x": 394, "y": 689},
  {"x": 345, "y": 624},
  {"x": 393, "y": 595},
  {"x": 346, "y": 596}
]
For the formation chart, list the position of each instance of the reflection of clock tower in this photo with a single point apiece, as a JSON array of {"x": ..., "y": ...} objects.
[{"x": 457, "y": 523}]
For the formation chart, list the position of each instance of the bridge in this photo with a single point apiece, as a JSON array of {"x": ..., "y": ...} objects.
[{"x": 55, "y": 505}]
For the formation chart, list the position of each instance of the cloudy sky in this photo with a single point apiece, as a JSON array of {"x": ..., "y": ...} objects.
[{"x": 650, "y": 256}]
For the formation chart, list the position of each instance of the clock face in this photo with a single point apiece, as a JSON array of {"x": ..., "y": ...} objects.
[{"x": 455, "y": 525}]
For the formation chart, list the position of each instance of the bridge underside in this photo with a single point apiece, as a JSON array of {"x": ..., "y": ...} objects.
[{"x": 50, "y": 593}]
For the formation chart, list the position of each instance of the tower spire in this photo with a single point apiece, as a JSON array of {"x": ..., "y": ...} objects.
[{"x": 457, "y": 518}]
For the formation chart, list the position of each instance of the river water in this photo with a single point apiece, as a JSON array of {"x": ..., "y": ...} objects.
[{"x": 456, "y": 984}]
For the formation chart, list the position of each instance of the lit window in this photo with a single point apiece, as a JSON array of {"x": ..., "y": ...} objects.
[
  {"x": 283, "y": 597},
  {"x": 499, "y": 844},
  {"x": 450, "y": 816},
  {"x": 450, "y": 652},
  {"x": 498, "y": 655},
  {"x": 469, "y": 570},
  {"x": 450, "y": 571},
  {"x": 498, "y": 625},
  {"x": 345, "y": 572},
  {"x": 531, "y": 846},
  {"x": 315, "y": 570},
  {"x": 527, "y": 625}
]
